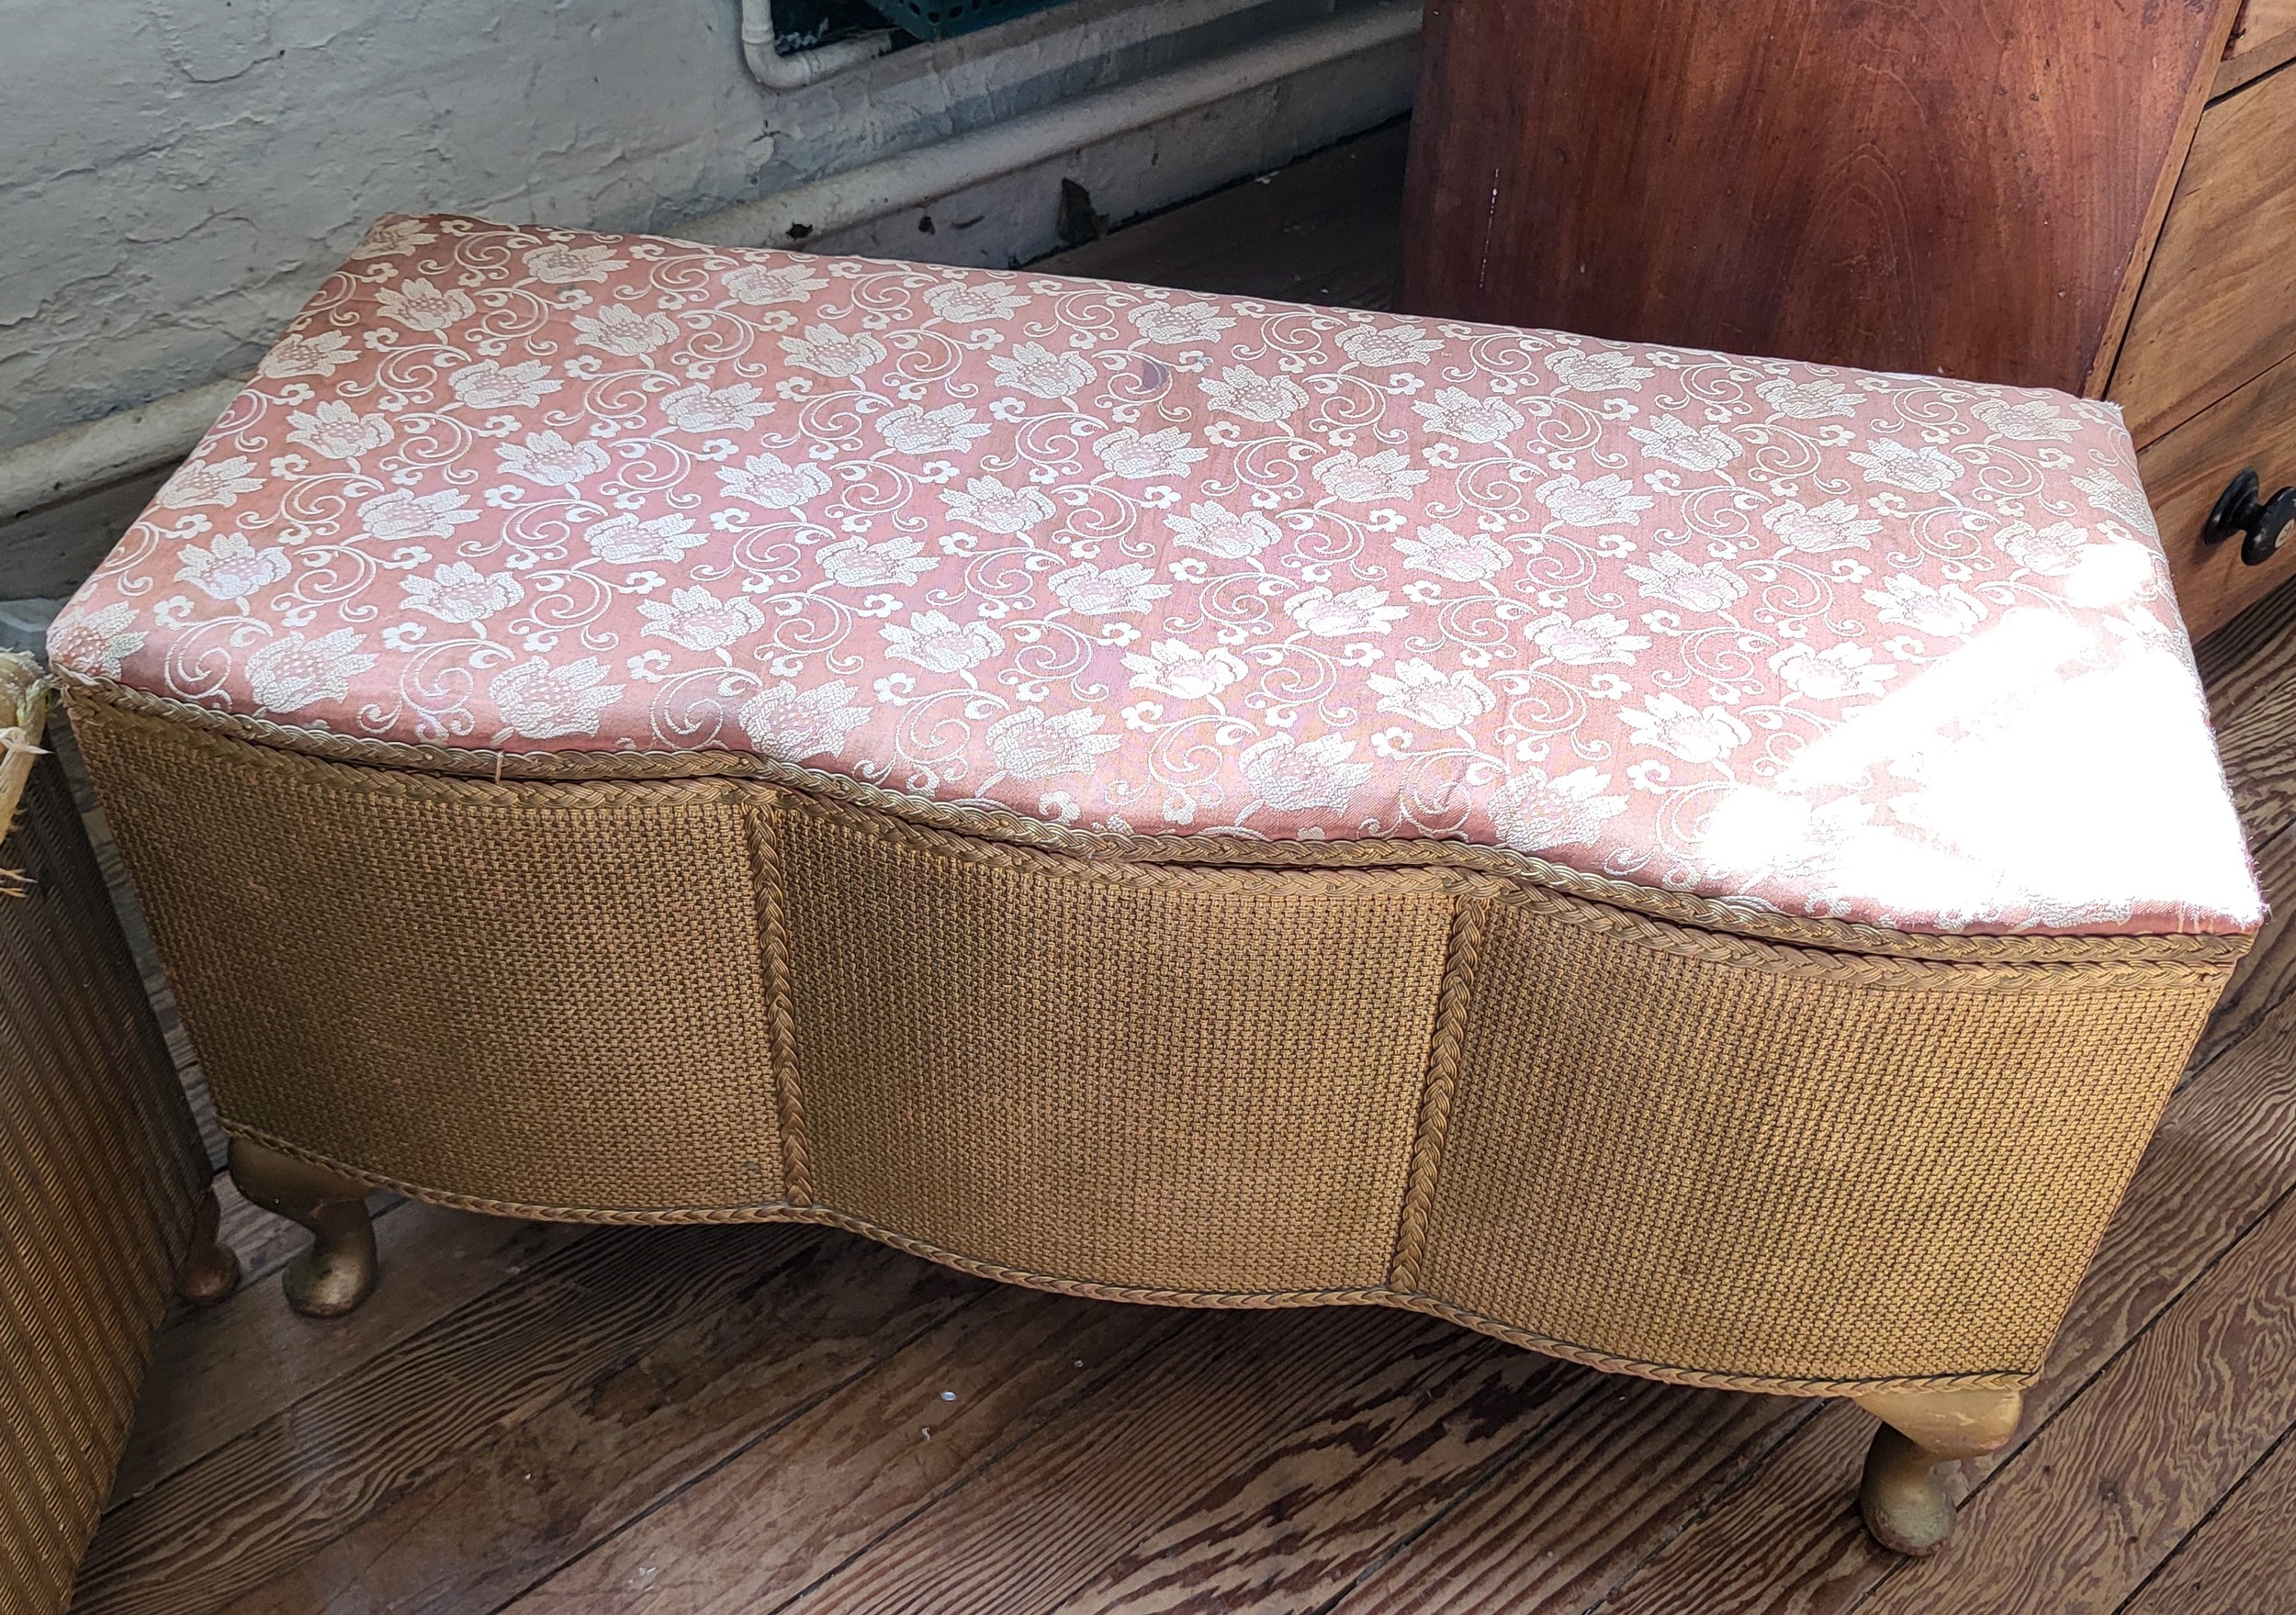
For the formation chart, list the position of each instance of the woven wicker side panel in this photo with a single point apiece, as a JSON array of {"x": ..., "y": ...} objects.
[
  {"x": 100, "y": 1170},
  {"x": 529, "y": 993},
  {"x": 1207, "y": 1087},
  {"x": 1758, "y": 1172}
]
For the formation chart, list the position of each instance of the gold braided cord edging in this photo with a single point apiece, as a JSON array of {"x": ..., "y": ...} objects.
[
  {"x": 1250, "y": 1300},
  {"x": 2104, "y": 967},
  {"x": 2083, "y": 961},
  {"x": 765, "y": 853},
  {"x": 1454, "y": 999},
  {"x": 585, "y": 772}
]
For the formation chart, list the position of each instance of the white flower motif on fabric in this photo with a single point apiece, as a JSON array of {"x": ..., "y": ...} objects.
[
  {"x": 1815, "y": 531},
  {"x": 563, "y": 264},
  {"x": 1679, "y": 581},
  {"x": 1423, "y": 693},
  {"x": 625, "y": 541},
  {"x": 826, "y": 351},
  {"x": 897, "y": 563},
  {"x": 1317, "y": 773},
  {"x": 935, "y": 641},
  {"x": 459, "y": 592},
  {"x": 1172, "y": 323},
  {"x": 1092, "y": 592},
  {"x": 209, "y": 482},
  {"x": 621, "y": 330},
  {"x": 703, "y": 408},
  {"x": 1596, "y": 372},
  {"x": 1385, "y": 476},
  {"x": 401, "y": 514},
  {"x": 420, "y": 306},
  {"x": 1269, "y": 398},
  {"x": 698, "y": 619},
  {"x": 974, "y": 302},
  {"x": 950, "y": 430},
  {"x": 760, "y": 285},
  {"x": 1463, "y": 557},
  {"x": 990, "y": 506},
  {"x": 1589, "y": 641},
  {"x": 306, "y": 355},
  {"x": 1456, "y": 413},
  {"x": 1330, "y": 615},
  {"x": 490, "y": 385},
  {"x": 339, "y": 431},
  {"x": 292, "y": 672},
  {"x": 1033, "y": 368},
  {"x": 1695, "y": 734},
  {"x": 547, "y": 458},
  {"x": 1233, "y": 537},
  {"x": 772, "y": 483},
  {"x": 231, "y": 568},
  {"x": 1031, "y": 746},
  {"x": 795, "y": 724},
  {"x": 1918, "y": 470},
  {"x": 1160, "y": 454},
  {"x": 539, "y": 701},
  {"x": 1175, "y": 668},
  {"x": 1607, "y": 500},
  {"x": 1533, "y": 814}
]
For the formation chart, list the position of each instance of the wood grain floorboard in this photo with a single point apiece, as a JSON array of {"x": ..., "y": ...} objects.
[
  {"x": 2237, "y": 1562},
  {"x": 1062, "y": 1505},
  {"x": 302, "y": 1478},
  {"x": 2268, "y": 972},
  {"x": 790, "y": 1510},
  {"x": 220, "y": 1372},
  {"x": 506, "y": 1514},
  {"x": 1298, "y": 1522},
  {"x": 1788, "y": 1541},
  {"x": 1586, "y": 1504},
  {"x": 2137, "y": 1461}
]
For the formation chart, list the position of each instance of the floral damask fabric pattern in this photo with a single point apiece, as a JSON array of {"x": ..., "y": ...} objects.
[{"x": 1885, "y": 648}]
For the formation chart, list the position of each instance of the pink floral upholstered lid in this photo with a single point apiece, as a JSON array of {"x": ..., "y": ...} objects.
[{"x": 1887, "y": 648}]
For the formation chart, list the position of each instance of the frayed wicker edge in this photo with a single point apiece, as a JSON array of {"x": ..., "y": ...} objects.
[
  {"x": 633, "y": 770},
  {"x": 1211, "y": 1300}
]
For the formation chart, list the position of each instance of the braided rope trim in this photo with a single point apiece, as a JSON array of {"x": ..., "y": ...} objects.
[
  {"x": 2100, "y": 970},
  {"x": 998, "y": 824},
  {"x": 2069, "y": 963},
  {"x": 1445, "y": 1049},
  {"x": 765, "y": 856},
  {"x": 1214, "y": 1300}
]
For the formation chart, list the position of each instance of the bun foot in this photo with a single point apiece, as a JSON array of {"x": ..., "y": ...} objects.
[
  {"x": 1904, "y": 1498},
  {"x": 338, "y": 1272},
  {"x": 210, "y": 1268}
]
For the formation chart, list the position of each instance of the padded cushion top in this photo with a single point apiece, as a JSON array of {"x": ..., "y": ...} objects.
[{"x": 1889, "y": 648}]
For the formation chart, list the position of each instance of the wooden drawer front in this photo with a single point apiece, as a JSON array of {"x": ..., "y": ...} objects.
[
  {"x": 2185, "y": 471},
  {"x": 2219, "y": 304}
]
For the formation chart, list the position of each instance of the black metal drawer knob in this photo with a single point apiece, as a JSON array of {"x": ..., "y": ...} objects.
[{"x": 2262, "y": 523}]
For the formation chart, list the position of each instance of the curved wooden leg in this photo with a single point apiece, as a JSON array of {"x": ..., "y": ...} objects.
[
  {"x": 210, "y": 1269},
  {"x": 1904, "y": 1498},
  {"x": 338, "y": 1272}
]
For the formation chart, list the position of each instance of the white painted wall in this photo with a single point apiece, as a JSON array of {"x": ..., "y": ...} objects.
[{"x": 177, "y": 175}]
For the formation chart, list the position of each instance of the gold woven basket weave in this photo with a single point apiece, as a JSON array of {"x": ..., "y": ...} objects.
[
  {"x": 102, "y": 1178},
  {"x": 1626, "y": 1126}
]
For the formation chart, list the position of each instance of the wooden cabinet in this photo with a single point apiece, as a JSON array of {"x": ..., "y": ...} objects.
[{"x": 2054, "y": 194}]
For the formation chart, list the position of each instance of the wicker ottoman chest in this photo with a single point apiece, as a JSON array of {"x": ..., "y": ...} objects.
[{"x": 1705, "y": 867}]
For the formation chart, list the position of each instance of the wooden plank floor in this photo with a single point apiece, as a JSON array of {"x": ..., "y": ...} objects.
[{"x": 555, "y": 1420}]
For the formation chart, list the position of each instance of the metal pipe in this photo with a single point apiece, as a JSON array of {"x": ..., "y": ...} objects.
[
  {"x": 801, "y": 68},
  {"x": 82, "y": 458}
]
